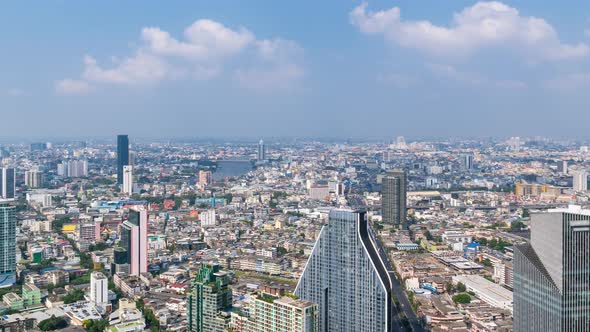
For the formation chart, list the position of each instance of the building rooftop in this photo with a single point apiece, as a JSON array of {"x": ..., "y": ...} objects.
[{"x": 481, "y": 284}]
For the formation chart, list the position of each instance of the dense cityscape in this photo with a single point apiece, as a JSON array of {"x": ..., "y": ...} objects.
[
  {"x": 300, "y": 235},
  {"x": 295, "y": 166}
]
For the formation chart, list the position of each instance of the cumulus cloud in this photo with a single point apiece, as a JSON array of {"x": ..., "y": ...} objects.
[
  {"x": 278, "y": 50},
  {"x": 278, "y": 66},
  {"x": 142, "y": 68},
  {"x": 483, "y": 25},
  {"x": 72, "y": 87},
  {"x": 204, "y": 40},
  {"x": 202, "y": 53}
]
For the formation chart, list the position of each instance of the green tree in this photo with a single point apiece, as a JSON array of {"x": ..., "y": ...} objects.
[
  {"x": 461, "y": 287},
  {"x": 98, "y": 325},
  {"x": 517, "y": 226},
  {"x": 74, "y": 296},
  {"x": 281, "y": 251},
  {"x": 449, "y": 287},
  {"x": 462, "y": 298},
  {"x": 53, "y": 323},
  {"x": 58, "y": 223}
]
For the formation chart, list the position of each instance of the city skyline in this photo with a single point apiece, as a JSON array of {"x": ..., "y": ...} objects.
[
  {"x": 333, "y": 166},
  {"x": 433, "y": 68}
]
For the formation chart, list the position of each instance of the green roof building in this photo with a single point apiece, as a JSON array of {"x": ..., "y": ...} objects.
[
  {"x": 31, "y": 295},
  {"x": 209, "y": 297}
]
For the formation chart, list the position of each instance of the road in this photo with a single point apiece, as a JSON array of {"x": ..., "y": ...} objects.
[
  {"x": 399, "y": 294},
  {"x": 404, "y": 303}
]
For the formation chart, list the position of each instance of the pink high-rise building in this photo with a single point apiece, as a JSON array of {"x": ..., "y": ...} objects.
[{"x": 134, "y": 240}]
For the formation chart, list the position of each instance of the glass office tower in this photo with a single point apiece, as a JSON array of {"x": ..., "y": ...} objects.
[
  {"x": 393, "y": 198},
  {"x": 7, "y": 244},
  {"x": 122, "y": 156},
  {"x": 347, "y": 278},
  {"x": 552, "y": 273}
]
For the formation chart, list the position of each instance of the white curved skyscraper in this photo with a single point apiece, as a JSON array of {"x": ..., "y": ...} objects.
[{"x": 347, "y": 278}]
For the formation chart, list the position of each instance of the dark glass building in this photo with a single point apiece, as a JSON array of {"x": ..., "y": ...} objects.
[
  {"x": 122, "y": 156},
  {"x": 7, "y": 183},
  {"x": 552, "y": 273},
  {"x": 7, "y": 244},
  {"x": 393, "y": 198}
]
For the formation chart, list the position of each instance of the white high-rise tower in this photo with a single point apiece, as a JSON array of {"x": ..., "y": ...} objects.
[{"x": 128, "y": 179}]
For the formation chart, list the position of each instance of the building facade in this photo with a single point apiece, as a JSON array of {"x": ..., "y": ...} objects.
[
  {"x": 99, "y": 289},
  {"x": 393, "y": 198},
  {"x": 261, "y": 151},
  {"x": 34, "y": 179},
  {"x": 273, "y": 313},
  {"x": 127, "y": 179},
  {"x": 122, "y": 156},
  {"x": 209, "y": 296},
  {"x": 552, "y": 273},
  {"x": 7, "y": 183},
  {"x": 580, "y": 181},
  {"x": 7, "y": 244},
  {"x": 134, "y": 240},
  {"x": 346, "y": 276}
]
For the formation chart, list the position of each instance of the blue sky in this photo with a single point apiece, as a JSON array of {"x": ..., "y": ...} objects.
[{"x": 301, "y": 68}]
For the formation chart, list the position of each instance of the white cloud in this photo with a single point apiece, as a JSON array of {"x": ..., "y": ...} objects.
[
  {"x": 205, "y": 40},
  {"x": 483, "y": 25},
  {"x": 202, "y": 54},
  {"x": 143, "y": 68},
  {"x": 72, "y": 87},
  {"x": 278, "y": 50},
  {"x": 278, "y": 66}
]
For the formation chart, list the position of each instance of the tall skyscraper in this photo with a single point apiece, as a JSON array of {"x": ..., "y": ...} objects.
[
  {"x": 261, "y": 151},
  {"x": 134, "y": 240},
  {"x": 552, "y": 273},
  {"x": 122, "y": 156},
  {"x": 467, "y": 162},
  {"x": 34, "y": 178},
  {"x": 7, "y": 183},
  {"x": 393, "y": 198},
  {"x": 209, "y": 295},
  {"x": 346, "y": 276},
  {"x": 128, "y": 179},
  {"x": 73, "y": 168},
  {"x": 7, "y": 244},
  {"x": 562, "y": 166},
  {"x": 580, "y": 181},
  {"x": 205, "y": 177}
]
